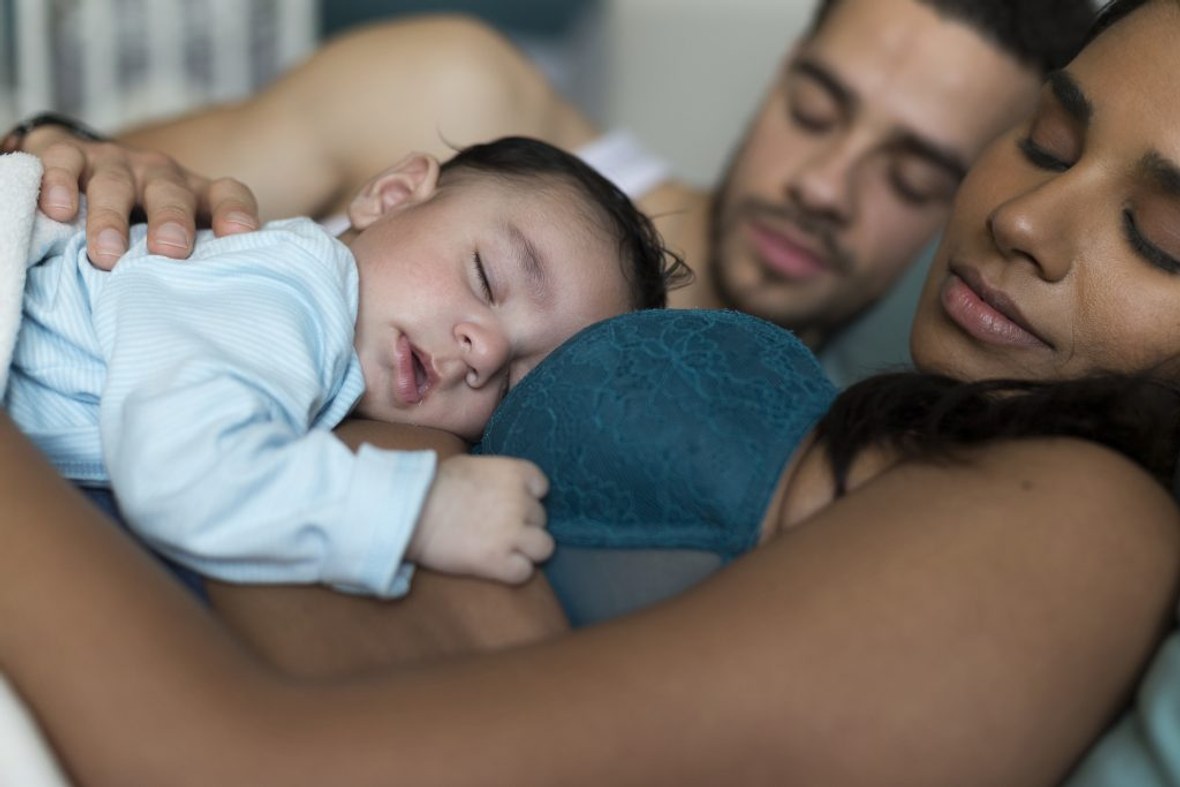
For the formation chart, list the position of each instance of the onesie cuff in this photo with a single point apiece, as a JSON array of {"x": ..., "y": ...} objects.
[{"x": 387, "y": 494}]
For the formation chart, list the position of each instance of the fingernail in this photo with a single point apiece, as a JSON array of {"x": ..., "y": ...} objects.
[
  {"x": 58, "y": 197},
  {"x": 110, "y": 243},
  {"x": 172, "y": 234},
  {"x": 242, "y": 219}
]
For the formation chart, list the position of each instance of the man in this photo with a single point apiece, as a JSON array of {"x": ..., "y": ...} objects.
[{"x": 845, "y": 173}]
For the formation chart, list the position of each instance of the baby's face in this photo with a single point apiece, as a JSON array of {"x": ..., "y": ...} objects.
[{"x": 463, "y": 293}]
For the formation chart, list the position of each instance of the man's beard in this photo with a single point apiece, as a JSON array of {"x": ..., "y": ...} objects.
[{"x": 723, "y": 218}]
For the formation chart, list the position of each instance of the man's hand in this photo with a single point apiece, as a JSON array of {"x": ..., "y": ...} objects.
[
  {"x": 483, "y": 517},
  {"x": 117, "y": 180}
]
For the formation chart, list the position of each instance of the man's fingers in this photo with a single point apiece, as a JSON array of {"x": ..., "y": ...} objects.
[
  {"x": 64, "y": 166},
  {"x": 110, "y": 196},
  {"x": 231, "y": 207},
  {"x": 170, "y": 202}
]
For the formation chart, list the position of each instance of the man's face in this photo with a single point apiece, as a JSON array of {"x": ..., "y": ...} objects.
[
  {"x": 850, "y": 164},
  {"x": 466, "y": 288}
]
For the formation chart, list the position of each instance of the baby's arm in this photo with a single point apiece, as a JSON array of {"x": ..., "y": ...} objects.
[
  {"x": 216, "y": 381},
  {"x": 484, "y": 517}
]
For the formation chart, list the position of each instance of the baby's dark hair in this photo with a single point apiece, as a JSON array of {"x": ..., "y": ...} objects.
[
  {"x": 650, "y": 268},
  {"x": 933, "y": 416},
  {"x": 1043, "y": 34}
]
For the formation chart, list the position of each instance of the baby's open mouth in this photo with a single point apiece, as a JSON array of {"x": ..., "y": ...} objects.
[{"x": 421, "y": 378}]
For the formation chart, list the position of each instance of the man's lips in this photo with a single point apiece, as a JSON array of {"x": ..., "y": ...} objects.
[
  {"x": 785, "y": 251},
  {"x": 985, "y": 313},
  {"x": 413, "y": 376}
]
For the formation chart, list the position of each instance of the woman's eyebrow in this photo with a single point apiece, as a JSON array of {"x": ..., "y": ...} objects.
[
  {"x": 1070, "y": 95},
  {"x": 1164, "y": 172}
]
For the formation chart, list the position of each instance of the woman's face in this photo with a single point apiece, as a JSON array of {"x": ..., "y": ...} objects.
[{"x": 1062, "y": 255}]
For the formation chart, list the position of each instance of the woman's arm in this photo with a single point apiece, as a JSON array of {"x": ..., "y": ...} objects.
[
  {"x": 970, "y": 624},
  {"x": 311, "y": 630}
]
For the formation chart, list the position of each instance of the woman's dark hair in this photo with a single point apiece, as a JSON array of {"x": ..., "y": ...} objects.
[
  {"x": 1111, "y": 12},
  {"x": 651, "y": 269},
  {"x": 932, "y": 416}
]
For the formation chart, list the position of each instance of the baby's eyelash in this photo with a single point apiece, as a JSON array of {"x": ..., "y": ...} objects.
[{"x": 482, "y": 274}]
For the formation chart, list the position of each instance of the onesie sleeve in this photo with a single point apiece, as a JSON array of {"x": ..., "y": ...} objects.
[{"x": 225, "y": 376}]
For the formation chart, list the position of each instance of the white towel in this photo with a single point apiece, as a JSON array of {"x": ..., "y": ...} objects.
[
  {"x": 23, "y": 231},
  {"x": 25, "y": 758}
]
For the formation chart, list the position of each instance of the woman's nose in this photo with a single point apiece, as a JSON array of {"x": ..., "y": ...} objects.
[{"x": 1029, "y": 227}]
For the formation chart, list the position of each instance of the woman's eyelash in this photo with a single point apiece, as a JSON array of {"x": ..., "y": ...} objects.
[
  {"x": 1040, "y": 157},
  {"x": 1140, "y": 244},
  {"x": 483, "y": 275}
]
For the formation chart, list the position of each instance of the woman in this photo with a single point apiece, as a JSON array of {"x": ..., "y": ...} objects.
[{"x": 973, "y": 622}]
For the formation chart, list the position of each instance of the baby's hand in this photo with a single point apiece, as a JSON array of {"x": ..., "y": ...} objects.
[{"x": 483, "y": 517}]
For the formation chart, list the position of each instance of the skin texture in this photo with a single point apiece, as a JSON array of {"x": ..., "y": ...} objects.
[
  {"x": 960, "y": 580},
  {"x": 850, "y": 164},
  {"x": 1040, "y": 227},
  {"x": 466, "y": 84},
  {"x": 812, "y": 173},
  {"x": 451, "y": 314},
  {"x": 1006, "y": 608},
  {"x": 311, "y": 631}
]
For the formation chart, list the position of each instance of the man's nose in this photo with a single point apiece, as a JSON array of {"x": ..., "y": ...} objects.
[{"x": 824, "y": 186}]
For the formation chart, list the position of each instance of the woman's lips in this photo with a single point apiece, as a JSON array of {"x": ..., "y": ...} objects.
[
  {"x": 783, "y": 255},
  {"x": 986, "y": 314}
]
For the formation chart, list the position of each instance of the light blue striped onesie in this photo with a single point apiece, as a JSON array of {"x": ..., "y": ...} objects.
[{"x": 204, "y": 391}]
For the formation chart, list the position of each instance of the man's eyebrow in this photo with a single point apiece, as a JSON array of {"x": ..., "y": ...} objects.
[
  {"x": 815, "y": 70},
  {"x": 939, "y": 155},
  {"x": 1164, "y": 172},
  {"x": 531, "y": 262},
  {"x": 1070, "y": 95}
]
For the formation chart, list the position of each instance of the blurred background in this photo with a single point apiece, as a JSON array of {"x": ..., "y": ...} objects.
[{"x": 682, "y": 75}]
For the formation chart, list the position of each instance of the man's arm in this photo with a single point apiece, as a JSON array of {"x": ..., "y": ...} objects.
[{"x": 308, "y": 141}]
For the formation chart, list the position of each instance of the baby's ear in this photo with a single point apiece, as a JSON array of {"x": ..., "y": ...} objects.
[{"x": 412, "y": 180}]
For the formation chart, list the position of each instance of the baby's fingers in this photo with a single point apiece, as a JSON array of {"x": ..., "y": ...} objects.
[
  {"x": 535, "y": 544},
  {"x": 515, "y": 569},
  {"x": 535, "y": 481}
]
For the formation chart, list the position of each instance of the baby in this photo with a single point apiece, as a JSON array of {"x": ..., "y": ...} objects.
[{"x": 203, "y": 391}]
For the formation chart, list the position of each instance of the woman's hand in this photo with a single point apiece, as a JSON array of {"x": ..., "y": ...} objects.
[{"x": 119, "y": 180}]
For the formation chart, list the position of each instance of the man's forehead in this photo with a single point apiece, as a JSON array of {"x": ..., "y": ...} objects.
[{"x": 912, "y": 68}]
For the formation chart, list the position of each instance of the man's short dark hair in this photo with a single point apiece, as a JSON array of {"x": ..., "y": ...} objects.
[
  {"x": 1042, "y": 34},
  {"x": 649, "y": 267}
]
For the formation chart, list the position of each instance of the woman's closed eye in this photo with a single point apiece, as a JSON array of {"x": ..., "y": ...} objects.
[
  {"x": 1145, "y": 248},
  {"x": 1040, "y": 157}
]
